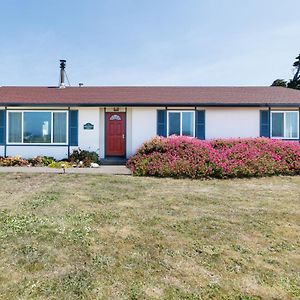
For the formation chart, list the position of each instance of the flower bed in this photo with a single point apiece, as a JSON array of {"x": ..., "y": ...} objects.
[
  {"x": 189, "y": 157},
  {"x": 79, "y": 158}
]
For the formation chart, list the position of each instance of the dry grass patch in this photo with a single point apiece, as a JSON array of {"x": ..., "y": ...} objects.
[{"x": 122, "y": 237}]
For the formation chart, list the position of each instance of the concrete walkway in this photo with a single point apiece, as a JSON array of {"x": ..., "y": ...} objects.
[{"x": 112, "y": 170}]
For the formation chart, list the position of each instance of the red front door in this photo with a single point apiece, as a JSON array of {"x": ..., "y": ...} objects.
[{"x": 115, "y": 134}]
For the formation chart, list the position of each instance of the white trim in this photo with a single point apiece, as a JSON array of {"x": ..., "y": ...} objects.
[
  {"x": 22, "y": 126},
  {"x": 181, "y": 111},
  {"x": 51, "y": 137},
  {"x": 284, "y": 112}
]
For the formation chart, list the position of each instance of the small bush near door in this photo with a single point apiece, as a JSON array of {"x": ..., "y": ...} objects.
[
  {"x": 189, "y": 157},
  {"x": 83, "y": 156}
]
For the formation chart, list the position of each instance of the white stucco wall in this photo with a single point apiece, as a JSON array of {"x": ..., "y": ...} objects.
[
  {"x": 59, "y": 152},
  {"x": 143, "y": 126},
  {"x": 1, "y": 150},
  {"x": 231, "y": 122},
  {"x": 219, "y": 123},
  {"x": 89, "y": 139},
  {"x": 102, "y": 133}
]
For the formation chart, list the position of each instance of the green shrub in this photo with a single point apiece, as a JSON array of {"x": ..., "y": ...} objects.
[
  {"x": 41, "y": 161},
  {"x": 84, "y": 156}
]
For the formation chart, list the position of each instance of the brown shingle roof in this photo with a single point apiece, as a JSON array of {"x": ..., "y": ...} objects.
[{"x": 150, "y": 96}]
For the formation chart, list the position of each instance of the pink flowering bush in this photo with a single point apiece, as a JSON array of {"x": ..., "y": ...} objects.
[{"x": 177, "y": 156}]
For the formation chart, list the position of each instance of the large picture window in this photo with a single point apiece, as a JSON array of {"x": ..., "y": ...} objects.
[
  {"x": 37, "y": 127},
  {"x": 181, "y": 123},
  {"x": 285, "y": 124}
]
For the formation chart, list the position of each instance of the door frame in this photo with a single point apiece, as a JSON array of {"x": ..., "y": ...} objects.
[{"x": 125, "y": 133}]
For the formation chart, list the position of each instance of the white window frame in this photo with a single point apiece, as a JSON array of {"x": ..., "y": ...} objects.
[
  {"x": 284, "y": 124},
  {"x": 38, "y": 144},
  {"x": 181, "y": 111}
]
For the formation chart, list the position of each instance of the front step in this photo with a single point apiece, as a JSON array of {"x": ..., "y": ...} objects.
[{"x": 113, "y": 161}]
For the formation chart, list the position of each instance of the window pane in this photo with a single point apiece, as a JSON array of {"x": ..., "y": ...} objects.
[
  {"x": 15, "y": 127},
  {"x": 291, "y": 125},
  {"x": 59, "y": 127},
  {"x": 37, "y": 127},
  {"x": 188, "y": 123},
  {"x": 174, "y": 123},
  {"x": 277, "y": 125}
]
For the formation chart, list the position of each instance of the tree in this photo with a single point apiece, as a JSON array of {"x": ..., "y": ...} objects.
[
  {"x": 293, "y": 83},
  {"x": 279, "y": 82}
]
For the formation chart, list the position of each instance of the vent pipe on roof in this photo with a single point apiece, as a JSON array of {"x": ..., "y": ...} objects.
[{"x": 62, "y": 74}]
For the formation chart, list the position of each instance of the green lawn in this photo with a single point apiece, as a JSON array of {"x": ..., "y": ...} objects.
[{"x": 123, "y": 237}]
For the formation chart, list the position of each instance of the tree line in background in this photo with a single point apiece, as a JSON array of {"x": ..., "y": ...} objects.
[{"x": 293, "y": 83}]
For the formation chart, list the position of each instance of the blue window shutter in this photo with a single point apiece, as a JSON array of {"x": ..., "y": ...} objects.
[
  {"x": 265, "y": 123},
  {"x": 73, "y": 127},
  {"x": 2, "y": 126},
  {"x": 162, "y": 123},
  {"x": 200, "y": 124}
]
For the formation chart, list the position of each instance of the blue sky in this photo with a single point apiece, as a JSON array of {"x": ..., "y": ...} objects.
[{"x": 149, "y": 42}]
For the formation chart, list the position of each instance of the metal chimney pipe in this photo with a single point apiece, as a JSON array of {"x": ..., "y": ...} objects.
[{"x": 62, "y": 73}]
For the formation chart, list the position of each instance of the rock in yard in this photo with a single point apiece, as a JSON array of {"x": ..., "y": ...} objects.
[{"x": 94, "y": 165}]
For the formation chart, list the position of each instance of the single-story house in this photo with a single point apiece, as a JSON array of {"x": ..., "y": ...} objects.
[{"x": 115, "y": 121}]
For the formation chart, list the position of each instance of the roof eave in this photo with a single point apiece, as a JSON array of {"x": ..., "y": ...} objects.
[{"x": 211, "y": 104}]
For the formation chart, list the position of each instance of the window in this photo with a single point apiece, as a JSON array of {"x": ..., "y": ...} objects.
[
  {"x": 37, "y": 127},
  {"x": 174, "y": 123},
  {"x": 181, "y": 123},
  {"x": 15, "y": 127},
  {"x": 59, "y": 127},
  {"x": 285, "y": 124}
]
